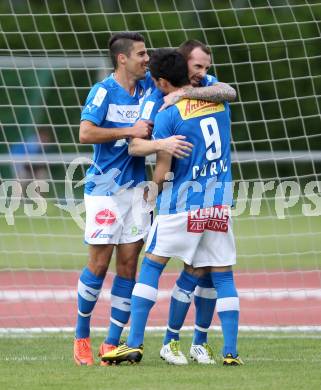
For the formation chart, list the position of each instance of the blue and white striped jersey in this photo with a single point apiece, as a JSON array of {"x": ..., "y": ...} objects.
[
  {"x": 109, "y": 105},
  {"x": 204, "y": 178}
]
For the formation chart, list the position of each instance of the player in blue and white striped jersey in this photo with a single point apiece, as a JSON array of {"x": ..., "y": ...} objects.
[
  {"x": 194, "y": 221},
  {"x": 108, "y": 119},
  {"x": 193, "y": 281}
]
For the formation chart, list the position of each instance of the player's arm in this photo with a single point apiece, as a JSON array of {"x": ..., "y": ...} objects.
[
  {"x": 94, "y": 114},
  {"x": 218, "y": 92},
  {"x": 90, "y": 133},
  {"x": 175, "y": 146},
  {"x": 163, "y": 128},
  {"x": 163, "y": 166}
]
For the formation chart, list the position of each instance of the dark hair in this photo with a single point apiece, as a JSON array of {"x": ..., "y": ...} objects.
[
  {"x": 170, "y": 65},
  {"x": 188, "y": 46},
  {"x": 122, "y": 43}
]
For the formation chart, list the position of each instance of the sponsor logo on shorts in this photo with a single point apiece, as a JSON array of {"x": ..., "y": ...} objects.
[
  {"x": 105, "y": 217},
  {"x": 99, "y": 234},
  {"x": 212, "y": 218},
  {"x": 135, "y": 231},
  {"x": 96, "y": 233}
]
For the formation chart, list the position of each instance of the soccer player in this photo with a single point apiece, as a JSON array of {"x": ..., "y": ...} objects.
[
  {"x": 108, "y": 119},
  {"x": 198, "y": 58},
  {"x": 194, "y": 208}
]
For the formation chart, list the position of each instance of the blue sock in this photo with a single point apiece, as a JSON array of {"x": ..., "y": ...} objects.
[
  {"x": 143, "y": 299},
  {"x": 89, "y": 286},
  {"x": 121, "y": 293},
  {"x": 180, "y": 302},
  {"x": 228, "y": 309},
  {"x": 205, "y": 301}
]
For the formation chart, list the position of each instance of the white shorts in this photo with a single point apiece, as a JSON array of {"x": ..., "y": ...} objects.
[
  {"x": 200, "y": 238},
  {"x": 116, "y": 219}
]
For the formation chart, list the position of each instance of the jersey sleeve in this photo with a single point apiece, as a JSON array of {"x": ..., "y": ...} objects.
[
  {"x": 163, "y": 127},
  {"x": 96, "y": 105},
  {"x": 208, "y": 80},
  {"x": 150, "y": 106}
]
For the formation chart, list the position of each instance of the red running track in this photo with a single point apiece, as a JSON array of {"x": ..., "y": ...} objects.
[{"x": 48, "y": 299}]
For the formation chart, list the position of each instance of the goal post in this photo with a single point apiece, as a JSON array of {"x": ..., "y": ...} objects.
[{"x": 51, "y": 53}]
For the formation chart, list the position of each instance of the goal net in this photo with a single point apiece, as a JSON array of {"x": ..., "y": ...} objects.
[{"x": 52, "y": 52}]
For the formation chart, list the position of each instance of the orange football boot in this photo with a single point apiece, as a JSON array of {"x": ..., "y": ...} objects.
[
  {"x": 83, "y": 355},
  {"x": 104, "y": 348}
]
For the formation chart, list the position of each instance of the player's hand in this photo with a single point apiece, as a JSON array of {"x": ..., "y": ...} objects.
[
  {"x": 172, "y": 98},
  {"x": 150, "y": 196},
  {"x": 142, "y": 129},
  {"x": 176, "y": 146}
]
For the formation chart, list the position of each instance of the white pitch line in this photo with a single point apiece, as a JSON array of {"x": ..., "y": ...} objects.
[
  {"x": 68, "y": 294},
  {"x": 277, "y": 332}
]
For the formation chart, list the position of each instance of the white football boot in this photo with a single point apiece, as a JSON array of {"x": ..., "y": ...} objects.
[
  {"x": 202, "y": 354},
  {"x": 172, "y": 354}
]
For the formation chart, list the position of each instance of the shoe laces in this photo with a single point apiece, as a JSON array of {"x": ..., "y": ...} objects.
[
  {"x": 209, "y": 350},
  {"x": 175, "y": 347}
]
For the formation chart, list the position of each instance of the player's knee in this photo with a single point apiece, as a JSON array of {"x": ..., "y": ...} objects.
[
  {"x": 98, "y": 264},
  {"x": 197, "y": 272},
  {"x": 98, "y": 268},
  {"x": 128, "y": 273},
  {"x": 127, "y": 269}
]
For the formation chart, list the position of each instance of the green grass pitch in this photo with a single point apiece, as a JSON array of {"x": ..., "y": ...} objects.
[{"x": 272, "y": 361}]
